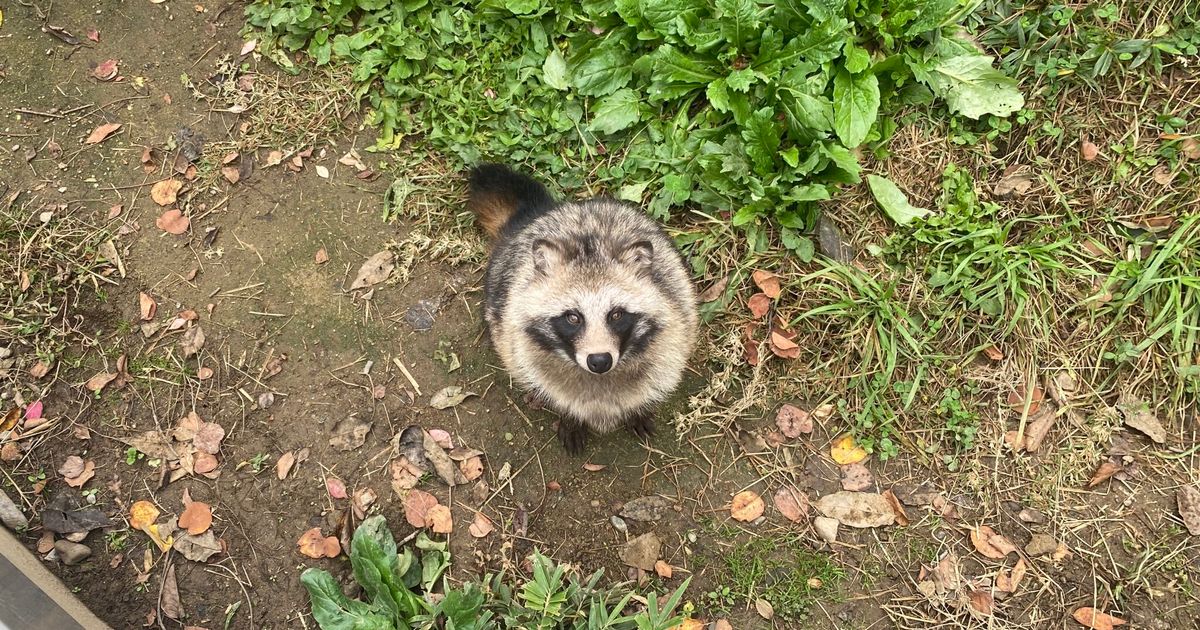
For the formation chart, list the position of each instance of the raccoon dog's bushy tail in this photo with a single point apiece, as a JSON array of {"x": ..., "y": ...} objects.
[{"x": 501, "y": 198}]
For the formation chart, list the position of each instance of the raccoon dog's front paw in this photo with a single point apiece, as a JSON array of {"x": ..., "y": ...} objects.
[
  {"x": 642, "y": 426},
  {"x": 573, "y": 436}
]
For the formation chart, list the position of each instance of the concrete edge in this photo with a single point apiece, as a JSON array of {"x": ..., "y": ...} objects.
[{"x": 41, "y": 577}]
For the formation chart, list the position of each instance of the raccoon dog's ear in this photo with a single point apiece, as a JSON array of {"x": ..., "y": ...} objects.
[
  {"x": 639, "y": 254},
  {"x": 546, "y": 255}
]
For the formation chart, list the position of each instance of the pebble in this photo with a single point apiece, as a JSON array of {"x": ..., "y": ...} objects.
[
  {"x": 1041, "y": 544},
  {"x": 72, "y": 553}
]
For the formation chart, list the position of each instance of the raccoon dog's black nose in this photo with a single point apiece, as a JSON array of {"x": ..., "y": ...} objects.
[{"x": 600, "y": 362}]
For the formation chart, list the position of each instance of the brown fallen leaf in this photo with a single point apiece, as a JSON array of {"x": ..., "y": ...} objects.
[
  {"x": 147, "y": 307},
  {"x": 664, "y": 570},
  {"x": 1088, "y": 150},
  {"x": 857, "y": 509},
  {"x": 766, "y": 282},
  {"x": 105, "y": 70},
  {"x": 1139, "y": 416},
  {"x": 764, "y": 609},
  {"x": 1187, "y": 499},
  {"x": 165, "y": 192},
  {"x": 793, "y": 421},
  {"x": 1091, "y": 618},
  {"x": 714, "y": 291},
  {"x": 471, "y": 468},
  {"x": 168, "y": 600},
  {"x": 746, "y": 506},
  {"x": 792, "y": 504},
  {"x": 1014, "y": 180},
  {"x": 982, "y": 603},
  {"x": 192, "y": 341},
  {"x": 376, "y": 269},
  {"x": 97, "y": 383},
  {"x": 1039, "y": 426},
  {"x": 284, "y": 464},
  {"x": 231, "y": 174},
  {"x": 77, "y": 472},
  {"x": 856, "y": 478},
  {"x": 1104, "y": 472},
  {"x": 642, "y": 552},
  {"x": 759, "y": 304},
  {"x": 196, "y": 518},
  {"x": 440, "y": 519},
  {"x": 101, "y": 133},
  {"x": 990, "y": 544},
  {"x": 93, "y": 35},
  {"x": 783, "y": 346},
  {"x": 39, "y": 369},
  {"x": 897, "y": 508},
  {"x": 481, "y": 526},
  {"x": 208, "y": 437},
  {"x": 204, "y": 373},
  {"x": 1007, "y": 581},
  {"x": 142, "y": 514},
  {"x": 1016, "y": 398},
  {"x": 314, "y": 544},
  {"x": 845, "y": 451},
  {"x": 321, "y": 257},
  {"x": 993, "y": 353},
  {"x": 173, "y": 222},
  {"x": 417, "y": 505},
  {"x": 335, "y": 488},
  {"x": 590, "y": 467}
]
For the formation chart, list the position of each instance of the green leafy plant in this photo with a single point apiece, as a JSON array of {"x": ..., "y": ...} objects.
[
  {"x": 398, "y": 583},
  {"x": 751, "y": 108}
]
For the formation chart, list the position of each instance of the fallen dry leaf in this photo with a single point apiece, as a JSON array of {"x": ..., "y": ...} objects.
[
  {"x": 105, "y": 70},
  {"x": 321, "y": 257},
  {"x": 1016, "y": 398},
  {"x": 856, "y": 477},
  {"x": 1187, "y": 498},
  {"x": 147, "y": 307},
  {"x": 714, "y": 291},
  {"x": 448, "y": 397},
  {"x": 793, "y": 421},
  {"x": 766, "y": 282},
  {"x": 1015, "y": 180},
  {"x": 284, "y": 464},
  {"x": 168, "y": 600},
  {"x": 1039, "y": 426},
  {"x": 204, "y": 373},
  {"x": 249, "y": 46},
  {"x": 1088, "y": 150},
  {"x": 335, "y": 488},
  {"x": 1104, "y": 472},
  {"x": 192, "y": 341},
  {"x": 471, "y": 468},
  {"x": 442, "y": 438},
  {"x": 173, "y": 222},
  {"x": 746, "y": 506},
  {"x": 440, "y": 519},
  {"x": 792, "y": 504},
  {"x": 101, "y": 133},
  {"x": 350, "y": 433},
  {"x": 845, "y": 451},
  {"x": 990, "y": 544},
  {"x": 93, "y": 35},
  {"x": 1139, "y": 416},
  {"x": 981, "y": 602},
  {"x": 77, "y": 472},
  {"x": 314, "y": 544},
  {"x": 642, "y": 552},
  {"x": 98, "y": 382},
  {"x": 231, "y": 174},
  {"x": 376, "y": 269},
  {"x": 857, "y": 509},
  {"x": 1007, "y": 581},
  {"x": 764, "y": 609},
  {"x": 590, "y": 467},
  {"x": 897, "y": 508},
  {"x": 1096, "y": 620},
  {"x": 993, "y": 353},
  {"x": 166, "y": 192},
  {"x": 196, "y": 518},
  {"x": 664, "y": 570},
  {"x": 142, "y": 514},
  {"x": 208, "y": 437},
  {"x": 417, "y": 505},
  {"x": 782, "y": 345},
  {"x": 481, "y": 526},
  {"x": 759, "y": 304}
]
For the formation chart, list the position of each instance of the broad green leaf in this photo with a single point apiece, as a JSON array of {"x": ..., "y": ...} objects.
[
  {"x": 855, "y": 106},
  {"x": 807, "y": 111},
  {"x": 935, "y": 14},
  {"x": 334, "y": 611},
  {"x": 857, "y": 59},
  {"x": 761, "y": 139},
  {"x": 844, "y": 166},
  {"x": 808, "y": 192},
  {"x": 817, "y": 45},
  {"x": 554, "y": 71},
  {"x": 669, "y": 17},
  {"x": 739, "y": 21},
  {"x": 802, "y": 246},
  {"x": 741, "y": 80},
  {"x": 602, "y": 68},
  {"x": 522, "y": 7},
  {"x": 717, "y": 94},
  {"x": 893, "y": 200},
  {"x": 825, "y": 10},
  {"x": 377, "y": 568},
  {"x": 972, "y": 87},
  {"x": 615, "y": 112},
  {"x": 672, "y": 66}
]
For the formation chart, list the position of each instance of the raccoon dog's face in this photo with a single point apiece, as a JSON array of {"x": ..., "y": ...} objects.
[{"x": 595, "y": 305}]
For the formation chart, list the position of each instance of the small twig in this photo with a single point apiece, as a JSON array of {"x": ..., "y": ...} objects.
[{"x": 37, "y": 113}]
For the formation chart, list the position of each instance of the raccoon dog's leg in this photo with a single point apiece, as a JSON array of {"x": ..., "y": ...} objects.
[
  {"x": 573, "y": 435},
  {"x": 642, "y": 424}
]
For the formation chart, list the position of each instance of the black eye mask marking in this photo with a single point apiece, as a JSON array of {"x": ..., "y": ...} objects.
[
  {"x": 636, "y": 331},
  {"x": 557, "y": 334}
]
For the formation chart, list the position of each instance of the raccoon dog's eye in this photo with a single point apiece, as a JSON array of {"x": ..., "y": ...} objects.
[
  {"x": 616, "y": 315},
  {"x": 574, "y": 319}
]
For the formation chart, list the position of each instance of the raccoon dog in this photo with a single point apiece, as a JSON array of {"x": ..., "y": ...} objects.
[{"x": 588, "y": 303}]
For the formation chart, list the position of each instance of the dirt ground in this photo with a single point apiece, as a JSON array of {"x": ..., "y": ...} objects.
[{"x": 247, "y": 267}]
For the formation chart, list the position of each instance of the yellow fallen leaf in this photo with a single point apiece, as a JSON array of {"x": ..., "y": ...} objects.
[
  {"x": 746, "y": 506},
  {"x": 844, "y": 451},
  {"x": 142, "y": 514}
]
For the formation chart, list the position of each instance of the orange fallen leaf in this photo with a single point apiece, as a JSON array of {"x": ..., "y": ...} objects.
[
  {"x": 196, "y": 518},
  {"x": 759, "y": 305},
  {"x": 664, "y": 570},
  {"x": 993, "y": 353},
  {"x": 845, "y": 451},
  {"x": 1016, "y": 398},
  {"x": 990, "y": 544},
  {"x": 897, "y": 507},
  {"x": 440, "y": 519},
  {"x": 766, "y": 282},
  {"x": 101, "y": 133},
  {"x": 1096, "y": 620},
  {"x": 594, "y": 467},
  {"x": 1104, "y": 472},
  {"x": 1009, "y": 581},
  {"x": 481, "y": 526},
  {"x": 322, "y": 256},
  {"x": 166, "y": 192},
  {"x": 1088, "y": 150},
  {"x": 173, "y": 222},
  {"x": 142, "y": 514},
  {"x": 147, "y": 307},
  {"x": 746, "y": 506},
  {"x": 316, "y": 545},
  {"x": 417, "y": 505}
]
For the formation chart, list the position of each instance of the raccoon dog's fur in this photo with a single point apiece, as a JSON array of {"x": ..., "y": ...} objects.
[{"x": 588, "y": 303}]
